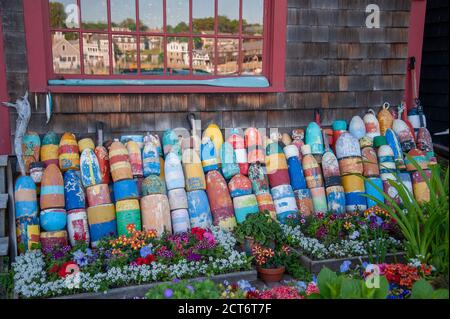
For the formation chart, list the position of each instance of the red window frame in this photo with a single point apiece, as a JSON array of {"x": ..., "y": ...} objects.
[{"x": 40, "y": 60}]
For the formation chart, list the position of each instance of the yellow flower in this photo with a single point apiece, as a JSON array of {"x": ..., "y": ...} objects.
[{"x": 348, "y": 225}]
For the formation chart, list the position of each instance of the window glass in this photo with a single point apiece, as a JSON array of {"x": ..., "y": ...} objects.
[
  {"x": 64, "y": 14},
  {"x": 203, "y": 16},
  {"x": 203, "y": 56},
  {"x": 96, "y": 53},
  {"x": 151, "y": 15},
  {"x": 123, "y": 15},
  {"x": 178, "y": 57},
  {"x": 252, "y": 17},
  {"x": 251, "y": 56},
  {"x": 177, "y": 13},
  {"x": 66, "y": 52},
  {"x": 227, "y": 54},
  {"x": 94, "y": 15},
  {"x": 124, "y": 54},
  {"x": 152, "y": 55},
  {"x": 228, "y": 16}
]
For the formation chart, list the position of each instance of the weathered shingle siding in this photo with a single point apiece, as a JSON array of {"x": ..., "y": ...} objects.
[
  {"x": 434, "y": 82},
  {"x": 332, "y": 62}
]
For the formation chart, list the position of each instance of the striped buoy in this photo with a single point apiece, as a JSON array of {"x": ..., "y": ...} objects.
[
  {"x": 339, "y": 128},
  {"x": 425, "y": 144},
  {"x": 128, "y": 212},
  {"x": 240, "y": 185},
  {"x": 371, "y": 189},
  {"x": 156, "y": 214},
  {"x": 419, "y": 157},
  {"x": 50, "y": 240},
  {"x": 406, "y": 182},
  {"x": 25, "y": 197},
  {"x": 98, "y": 195},
  {"x": 220, "y": 201},
  {"x": 314, "y": 138},
  {"x": 244, "y": 206},
  {"x": 180, "y": 221},
  {"x": 319, "y": 199},
  {"x": 254, "y": 144},
  {"x": 371, "y": 124},
  {"x": 77, "y": 226},
  {"x": 298, "y": 136},
  {"x": 36, "y": 172},
  {"x": 27, "y": 233},
  {"x": 199, "y": 210},
  {"x": 135, "y": 157},
  {"x": 369, "y": 158},
  {"x": 215, "y": 135},
  {"x": 355, "y": 200},
  {"x": 284, "y": 200},
  {"x": 50, "y": 149},
  {"x": 420, "y": 187},
  {"x": 150, "y": 158},
  {"x": 153, "y": 185},
  {"x": 103, "y": 162},
  {"x": 330, "y": 169},
  {"x": 389, "y": 189},
  {"x": 336, "y": 199},
  {"x": 295, "y": 169},
  {"x": 171, "y": 143},
  {"x": 347, "y": 146},
  {"x": 237, "y": 141},
  {"x": 125, "y": 189},
  {"x": 230, "y": 166},
  {"x": 31, "y": 145},
  {"x": 385, "y": 118},
  {"x": 311, "y": 169},
  {"x": 386, "y": 159},
  {"x": 258, "y": 177},
  {"x": 138, "y": 139},
  {"x": 74, "y": 195},
  {"x": 405, "y": 136},
  {"x": 90, "y": 168},
  {"x": 177, "y": 199},
  {"x": 304, "y": 201},
  {"x": 86, "y": 143},
  {"x": 209, "y": 155},
  {"x": 69, "y": 157},
  {"x": 417, "y": 118},
  {"x": 276, "y": 165},
  {"x": 173, "y": 172},
  {"x": 119, "y": 162},
  {"x": 52, "y": 189},
  {"x": 193, "y": 171},
  {"x": 102, "y": 222},
  {"x": 266, "y": 204},
  {"x": 357, "y": 128}
]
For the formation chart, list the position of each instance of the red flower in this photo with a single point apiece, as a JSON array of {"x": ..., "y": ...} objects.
[
  {"x": 198, "y": 232},
  {"x": 145, "y": 261},
  {"x": 67, "y": 269},
  {"x": 54, "y": 269}
]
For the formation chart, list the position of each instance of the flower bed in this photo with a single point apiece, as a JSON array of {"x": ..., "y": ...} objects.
[{"x": 140, "y": 258}]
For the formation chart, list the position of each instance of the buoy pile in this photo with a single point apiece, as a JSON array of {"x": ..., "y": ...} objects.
[{"x": 187, "y": 182}]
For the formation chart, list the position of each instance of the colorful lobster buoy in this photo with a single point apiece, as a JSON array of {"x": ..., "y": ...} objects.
[
  {"x": 314, "y": 138},
  {"x": 128, "y": 212},
  {"x": 199, "y": 210},
  {"x": 90, "y": 168},
  {"x": 209, "y": 155},
  {"x": 339, "y": 128},
  {"x": 73, "y": 191},
  {"x": 27, "y": 233},
  {"x": 354, "y": 193},
  {"x": 371, "y": 124},
  {"x": 150, "y": 158},
  {"x": 240, "y": 185},
  {"x": 419, "y": 157},
  {"x": 298, "y": 136},
  {"x": 385, "y": 118},
  {"x": 258, "y": 177},
  {"x": 405, "y": 136},
  {"x": 126, "y": 189},
  {"x": 50, "y": 149},
  {"x": 177, "y": 199},
  {"x": 52, "y": 189},
  {"x": 156, "y": 214},
  {"x": 171, "y": 143},
  {"x": 77, "y": 226},
  {"x": 173, "y": 172},
  {"x": 311, "y": 169},
  {"x": 374, "y": 188},
  {"x": 304, "y": 201},
  {"x": 420, "y": 187},
  {"x": 276, "y": 165},
  {"x": 295, "y": 169},
  {"x": 138, "y": 139},
  {"x": 386, "y": 159},
  {"x": 334, "y": 190},
  {"x": 357, "y": 127},
  {"x": 180, "y": 221},
  {"x": 254, "y": 144},
  {"x": 244, "y": 206},
  {"x": 349, "y": 155},
  {"x": 36, "y": 172},
  {"x": 98, "y": 195},
  {"x": 417, "y": 117},
  {"x": 193, "y": 171},
  {"x": 103, "y": 162},
  {"x": 220, "y": 201},
  {"x": 102, "y": 222},
  {"x": 25, "y": 197},
  {"x": 31, "y": 145},
  {"x": 153, "y": 185},
  {"x": 237, "y": 141},
  {"x": 53, "y": 219},
  {"x": 86, "y": 143},
  {"x": 266, "y": 204},
  {"x": 135, "y": 157},
  {"x": 230, "y": 166},
  {"x": 393, "y": 142},
  {"x": 284, "y": 200},
  {"x": 69, "y": 157},
  {"x": 50, "y": 240},
  {"x": 215, "y": 135},
  {"x": 119, "y": 162},
  {"x": 336, "y": 199},
  {"x": 425, "y": 144}
]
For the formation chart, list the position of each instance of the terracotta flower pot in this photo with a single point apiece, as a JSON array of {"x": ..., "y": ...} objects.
[{"x": 271, "y": 275}]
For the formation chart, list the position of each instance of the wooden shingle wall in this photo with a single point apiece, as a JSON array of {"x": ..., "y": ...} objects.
[{"x": 333, "y": 62}]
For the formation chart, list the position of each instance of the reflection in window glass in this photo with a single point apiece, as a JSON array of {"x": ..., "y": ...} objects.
[
  {"x": 228, "y": 16},
  {"x": 96, "y": 53},
  {"x": 203, "y": 56},
  {"x": 124, "y": 54},
  {"x": 64, "y": 14},
  {"x": 94, "y": 15},
  {"x": 177, "y": 16},
  {"x": 203, "y": 16},
  {"x": 178, "y": 56},
  {"x": 123, "y": 15},
  {"x": 66, "y": 53},
  {"x": 252, "y": 51},
  {"x": 152, "y": 55},
  {"x": 252, "y": 17},
  {"x": 151, "y": 15},
  {"x": 227, "y": 54}
]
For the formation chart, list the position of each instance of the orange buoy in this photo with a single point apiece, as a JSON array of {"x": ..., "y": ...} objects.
[
  {"x": 119, "y": 162},
  {"x": 385, "y": 118},
  {"x": 254, "y": 144},
  {"x": 156, "y": 213},
  {"x": 103, "y": 162},
  {"x": 52, "y": 188}
]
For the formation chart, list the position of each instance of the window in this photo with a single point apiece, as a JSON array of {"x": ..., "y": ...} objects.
[{"x": 160, "y": 39}]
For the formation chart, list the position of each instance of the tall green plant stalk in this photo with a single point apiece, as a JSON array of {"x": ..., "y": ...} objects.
[{"x": 424, "y": 225}]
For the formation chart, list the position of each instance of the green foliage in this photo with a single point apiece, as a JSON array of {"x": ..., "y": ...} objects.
[
  {"x": 6, "y": 282},
  {"x": 332, "y": 286},
  {"x": 423, "y": 290},
  {"x": 424, "y": 226},
  {"x": 261, "y": 227},
  {"x": 296, "y": 270}
]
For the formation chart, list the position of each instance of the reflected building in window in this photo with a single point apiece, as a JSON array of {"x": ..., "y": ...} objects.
[{"x": 66, "y": 53}]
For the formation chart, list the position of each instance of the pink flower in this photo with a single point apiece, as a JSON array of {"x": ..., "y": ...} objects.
[
  {"x": 312, "y": 289},
  {"x": 210, "y": 238}
]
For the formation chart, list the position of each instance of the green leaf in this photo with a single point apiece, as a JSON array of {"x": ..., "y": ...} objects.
[
  {"x": 422, "y": 290},
  {"x": 350, "y": 289},
  {"x": 315, "y": 296},
  {"x": 440, "y": 294},
  {"x": 326, "y": 280}
]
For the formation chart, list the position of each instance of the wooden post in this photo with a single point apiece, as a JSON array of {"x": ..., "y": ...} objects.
[{"x": 5, "y": 134}]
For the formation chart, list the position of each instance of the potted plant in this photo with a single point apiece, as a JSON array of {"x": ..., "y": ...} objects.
[
  {"x": 258, "y": 229},
  {"x": 270, "y": 262}
]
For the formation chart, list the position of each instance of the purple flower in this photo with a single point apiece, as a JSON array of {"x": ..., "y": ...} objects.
[
  {"x": 190, "y": 288},
  {"x": 168, "y": 293},
  {"x": 80, "y": 258},
  {"x": 345, "y": 266},
  {"x": 146, "y": 250},
  {"x": 193, "y": 257},
  {"x": 176, "y": 280}
]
